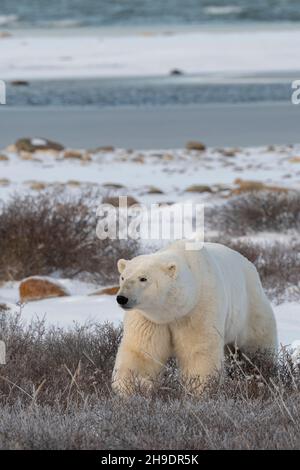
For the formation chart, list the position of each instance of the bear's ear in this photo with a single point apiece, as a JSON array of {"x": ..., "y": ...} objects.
[
  {"x": 171, "y": 270},
  {"x": 121, "y": 265}
]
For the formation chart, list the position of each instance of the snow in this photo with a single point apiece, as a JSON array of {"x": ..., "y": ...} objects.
[
  {"x": 196, "y": 52},
  {"x": 171, "y": 171},
  {"x": 82, "y": 308},
  {"x": 172, "y": 175},
  {"x": 37, "y": 142},
  {"x": 288, "y": 320},
  {"x": 295, "y": 348}
]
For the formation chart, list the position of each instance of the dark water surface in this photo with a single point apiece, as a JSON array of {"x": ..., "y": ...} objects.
[{"x": 70, "y": 13}]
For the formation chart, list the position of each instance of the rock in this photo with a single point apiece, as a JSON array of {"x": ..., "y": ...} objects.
[
  {"x": 104, "y": 148},
  {"x": 37, "y": 186},
  {"x": 3, "y": 158},
  {"x": 229, "y": 152},
  {"x": 38, "y": 288},
  {"x": 153, "y": 190},
  {"x": 168, "y": 157},
  {"x": 26, "y": 155},
  {"x": 77, "y": 155},
  {"x": 194, "y": 145},
  {"x": 139, "y": 159},
  {"x": 4, "y": 182},
  {"x": 4, "y": 34},
  {"x": 73, "y": 183},
  {"x": 176, "y": 72},
  {"x": 11, "y": 148},
  {"x": 31, "y": 145},
  {"x": 19, "y": 83},
  {"x": 292, "y": 160},
  {"x": 114, "y": 201},
  {"x": 198, "y": 188},
  {"x": 107, "y": 291},
  {"x": 86, "y": 157},
  {"x": 166, "y": 203},
  {"x": 113, "y": 185},
  {"x": 73, "y": 154}
]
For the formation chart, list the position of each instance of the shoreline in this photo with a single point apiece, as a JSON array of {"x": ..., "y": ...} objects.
[
  {"x": 167, "y": 29},
  {"x": 168, "y": 127}
]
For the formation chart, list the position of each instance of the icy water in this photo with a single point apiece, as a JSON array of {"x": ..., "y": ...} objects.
[
  {"x": 142, "y": 92},
  {"x": 85, "y": 13}
]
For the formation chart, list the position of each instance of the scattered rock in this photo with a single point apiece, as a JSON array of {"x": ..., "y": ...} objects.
[
  {"x": 77, "y": 155},
  {"x": 165, "y": 203},
  {"x": 114, "y": 201},
  {"x": 107, "y": 291},
  {"x": 11, "y": 148},
  {"x": 104, "y": 148},
  {"x": 31, "y": 145},
  {"x": 19, "y": 83},
  {"x": 113, "y": 185},
  {"x": 198, "y": 188},
  {"x": 38, "y": 288},
  {"x": 139, "y": 159},
  {"x": 4, "y": 182},
  {"x": 86, "y": 157},
  {"x": 153, "y": 190},
  {"x": 73, "y": 183},
  {"x": 176, "y": 72},
  {"x": 73, "y": 154},
  {"x": 4, "y": 34},
  {"x": 294, "y": 160},
  {"x": 194, "y": 145},
  {"x": 3, "y": 158},
  {"x": 26, "y": 155},
  {"x": 168, "y": 157},
  {"x": 229, "y": 152},
  {"x": 37, "y": 186}
]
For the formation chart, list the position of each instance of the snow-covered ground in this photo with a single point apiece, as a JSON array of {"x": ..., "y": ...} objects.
[
  {"x": 82, "y": 308},
  {"x": 171, "y": 172},
  {"x": 148, "y": 53}
]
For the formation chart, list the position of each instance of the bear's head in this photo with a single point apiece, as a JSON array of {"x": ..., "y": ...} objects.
[{"x": 161, "y": 286}]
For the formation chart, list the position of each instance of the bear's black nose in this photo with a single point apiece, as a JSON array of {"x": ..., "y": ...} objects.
[{"x": 122, "y": 300}]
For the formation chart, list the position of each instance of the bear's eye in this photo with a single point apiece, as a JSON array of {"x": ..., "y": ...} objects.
[{"x": 143, "y": 279}]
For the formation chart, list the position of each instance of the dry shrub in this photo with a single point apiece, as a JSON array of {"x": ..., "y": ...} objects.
[
  {"x": 55, "y": 393},
  {"x": 56, "y": 231},
  {"x": 256, "y": 212},
  {"x": 278, "y": 263},
  {"x": 67, "y": 365}
]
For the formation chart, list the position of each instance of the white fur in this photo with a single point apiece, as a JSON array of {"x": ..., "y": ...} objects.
[{"x": 192, "y": 305}]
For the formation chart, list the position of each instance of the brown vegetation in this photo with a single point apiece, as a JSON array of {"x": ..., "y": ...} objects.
[{"x": 55, "y": 393}]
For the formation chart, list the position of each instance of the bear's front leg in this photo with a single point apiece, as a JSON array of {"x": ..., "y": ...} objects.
[
  {"x": 144, "y": 349},
  {"x": 199, "y": 348}
]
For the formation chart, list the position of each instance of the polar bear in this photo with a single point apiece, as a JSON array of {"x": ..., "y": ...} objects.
[{"x": 191, "y": 305}]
